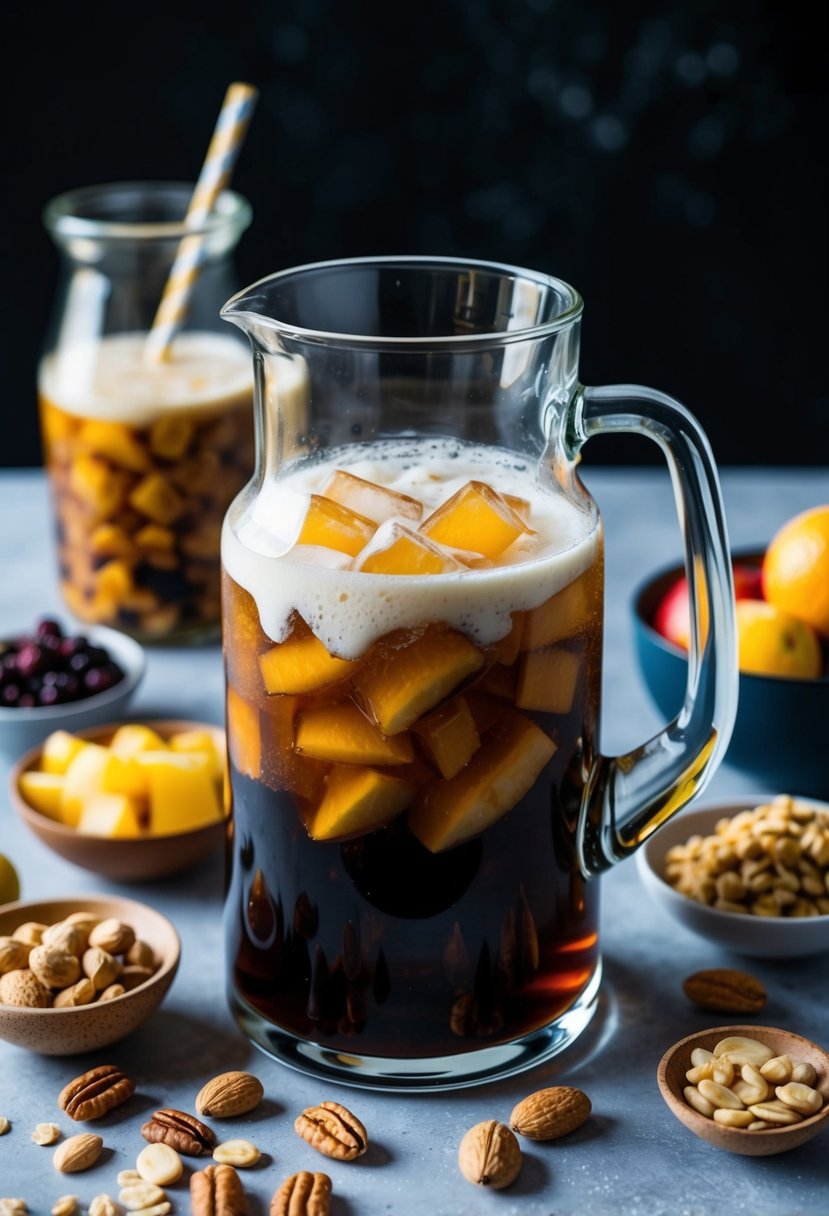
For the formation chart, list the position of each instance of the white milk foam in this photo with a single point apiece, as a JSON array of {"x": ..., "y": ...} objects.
[
  {"x": 111, "y": 379},
  {"x": 348, "y": 610}
]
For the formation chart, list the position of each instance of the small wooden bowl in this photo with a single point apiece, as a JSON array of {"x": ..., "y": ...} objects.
[
  {"x": 134, "y": 860},
  {"x": 65, "y": 1032},
  {"x": 671, "y": 1078}
]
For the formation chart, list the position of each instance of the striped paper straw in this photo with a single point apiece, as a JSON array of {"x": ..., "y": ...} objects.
[{"x": 228, "y": 135}]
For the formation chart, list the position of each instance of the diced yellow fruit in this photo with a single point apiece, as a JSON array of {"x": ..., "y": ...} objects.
[
  {"x": 343, "y": 735},
  {"x": 301, "y": 664},
  {"x": 449, "y": 736},
  {"x": 135, "y": 737},
  {"x": 108, "y": 540},
  {"x": 476, "y": 518},
  {"x": 124, "y": 775},
  {"x": 156, "y": 498},
  {"x": 116, "y": 442},
  {"x": 183, "y": 793},
  {"x": 58, "y": 750},
  {"x": 153, "y": 536},
  {"x": 399, "y": 686},
  {"x": 561, "y": 616},
  {"x": 547, "y": 680},
  {"x": 373, "y": 501},
  {"x": 200, "y": 741},
  {"x": 43, "y": 791},
  {"x": 243, "y": 735},
  {"x": 521, "y": 506},
  {"x": 170, "y": 437},
  {"x": 282, "y": 768},
  {"x": 113, "y": 815},
  {"x": 100, "y": 488},
  {"x": 358, "y": 800},
  {"x": 84, "y": 778},
  {"x": 329, "y": 524},
  {"x": 242, "y": 639},
  {"x": 114, "y": 579},
  {"x": 395, "y": 549},
  {"x": 511, "y": 756}
]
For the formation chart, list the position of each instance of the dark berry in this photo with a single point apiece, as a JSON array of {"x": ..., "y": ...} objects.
[
  {"x": 10, "y": 694},
  {"x": 29, "y": 659},
  {"x": 49, "y": 695},
  {"x": 27, "y": 700},
  {"x": 47, "y": 628}
]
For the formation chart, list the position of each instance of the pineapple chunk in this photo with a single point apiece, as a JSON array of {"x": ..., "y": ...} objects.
[
  {"x": 358, "y": 800},
  {"x": 83, "y": 780},
  {"x": 182, "y": 792},
  {"x": 156, "y": 498},
  {"x": 170, "y": 437},
  {"x": 343, "y": 735},
  {"x": 301, "y": 664},
  {"x": 200, "y": 741},
  {"x": 449, "y": 737},
  {"x": 395, "y": 549},
  {"x": 333, "y": 526},
  {"x": 134, "y": 737},
  {"x": 475, "y": 518},
  {"x": 114, "y": 815},
  {"x": 243, "y": 735},
  {"x": 512, "y": 754},
  {"x": 58, "y": 750},
  {"x": 398, "y": 687},
  {"x": 561, "y": 616},
  {"x": 548, "y": 680},
  {"x": 373, "y": 501},
  {"x": 99, "y": 488},
  {"x": 43, "y": 791}
]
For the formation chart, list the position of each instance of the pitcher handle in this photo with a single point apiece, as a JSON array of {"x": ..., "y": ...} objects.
[{"x": 627, "y": 797}]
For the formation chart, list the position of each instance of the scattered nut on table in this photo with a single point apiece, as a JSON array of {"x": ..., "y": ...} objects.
[
  {"x": 489, "y": 1155},
  {"x": 725, "y": 990},
  {"x": 332, "y": 1130},
  {"x": 550, "y": 1113}
]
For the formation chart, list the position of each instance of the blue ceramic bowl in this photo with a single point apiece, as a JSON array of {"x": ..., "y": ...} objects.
[{"x": 780, "y": 735}]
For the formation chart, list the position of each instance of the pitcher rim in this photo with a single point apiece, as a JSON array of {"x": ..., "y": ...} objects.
[{"x": 231, "y": 311}]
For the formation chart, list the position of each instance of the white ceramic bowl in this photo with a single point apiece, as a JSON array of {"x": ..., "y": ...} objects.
[
  {"x": 23, "y": 729},
  {"x": 742, "y": 933}
]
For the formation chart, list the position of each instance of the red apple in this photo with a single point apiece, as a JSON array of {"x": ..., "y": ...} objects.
[{"x": 672, "y": 616}]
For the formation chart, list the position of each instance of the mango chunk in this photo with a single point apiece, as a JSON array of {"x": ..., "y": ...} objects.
[
  {"x": 114, "y": 815},
  {"x": 58, "y": 750},
  {"x": 511, "y": 756},
  {"x": 43, "y": 791},
  {"x": 301, "y": 664},
  {"x": 116, "y": 442},
  {"x": 343, "y": 735},
  {"x": 182, "y": 792},
  {"x": 476, "y": 517},
  {"x": 449, "y": 737},
  {"x": 358, "y": 800},
  {"x": 560, "y": 617},
  {"x": 370, "y": 499},
  {"x": 282, "y": 767},
  {"x": 244, "y": 741},
  {"x": 134, "y": 737},
  {"x": 108, "y": 540},
  {"x": 395, "y": 549},
  {"x": 156, "y": 498},
  {"x": 200, "y": 741},
  {"x": 170, "y": 437},
  {"x": 547, "y": 680},
  {"x": 333, "y": 526},
  {"x": 100, "y": 488},
  {"x": 83, "y": 779},
  {"x": 397, "y": 687}
]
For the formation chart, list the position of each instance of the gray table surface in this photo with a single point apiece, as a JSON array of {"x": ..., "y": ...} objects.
[{"x": 631, "y": 1157}]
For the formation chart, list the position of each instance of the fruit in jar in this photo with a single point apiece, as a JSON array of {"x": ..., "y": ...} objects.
[
  {"x": 134, "y": 783},
  {"x": 796, "y": 568},
  {"x": 772, "y": 642}
]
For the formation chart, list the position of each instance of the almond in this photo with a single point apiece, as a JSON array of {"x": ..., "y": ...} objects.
[
  {"x": 550, "y": 1113},
  {"x": 229, "y": 1094},
  {"x": 724, "y": 990},
  {"x": 77, "y": 1153}
]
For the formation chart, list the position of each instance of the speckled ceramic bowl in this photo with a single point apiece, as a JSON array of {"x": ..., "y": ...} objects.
[{"x": 65, "y": 1032}]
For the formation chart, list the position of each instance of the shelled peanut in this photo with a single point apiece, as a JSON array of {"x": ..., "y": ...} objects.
[
  {"x": 769, "y": 861},
  {"x": 743, "y": 1084}
]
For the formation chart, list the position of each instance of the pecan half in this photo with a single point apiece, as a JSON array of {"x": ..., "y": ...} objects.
[
  {"x": 95, "y": 1093},
  {"x": 303, "y": 1194},
  {"x": 217, "y": 1191},
  {"x": 333, "y": 1131},
  {"x": 182, "y": 1131}
]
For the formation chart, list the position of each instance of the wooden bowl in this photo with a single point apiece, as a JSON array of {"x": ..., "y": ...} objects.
[
  {"x": 671, "y": 1079},
  {"x": 134, "y": 860},
  {"x": 64, "y": 1032}
]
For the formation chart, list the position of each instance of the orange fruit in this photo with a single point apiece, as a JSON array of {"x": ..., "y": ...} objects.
[
  {"x": 796, "y": 568},
  {"x": 774, "y": 643}
]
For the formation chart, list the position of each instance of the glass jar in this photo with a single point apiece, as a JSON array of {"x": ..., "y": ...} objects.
[{"x": 143, "y": 453}]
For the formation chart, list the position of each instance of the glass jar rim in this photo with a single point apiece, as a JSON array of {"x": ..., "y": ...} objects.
[
  {"x": 573, "y": 304},
  {"x": 72, "y": 214}
]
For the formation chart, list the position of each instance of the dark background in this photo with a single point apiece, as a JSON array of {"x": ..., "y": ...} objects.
[{"x": 668, "y": 159}]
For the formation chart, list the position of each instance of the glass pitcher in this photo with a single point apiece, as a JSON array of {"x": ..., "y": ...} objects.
[
  {"x": 412, "y": 633},
  {"x": 143, "y": 454}
]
